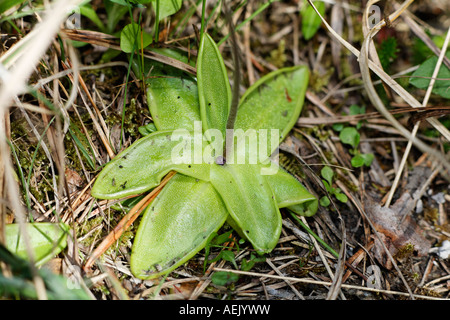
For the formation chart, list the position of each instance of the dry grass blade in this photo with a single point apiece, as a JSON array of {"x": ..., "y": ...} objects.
[
  {"x": 416, "y": 126},
  {"x": 366, "y": 63},
  {"x": 25, "y": 62},
  {"x": 126, "y": 222},
  {"x": 324, "y": 283},
  {"x": 270, "y": 263},
  {"x": 93, "y": 117},
  {"x": 417, "y": 114},
  {"x": 104, "y": 40}
]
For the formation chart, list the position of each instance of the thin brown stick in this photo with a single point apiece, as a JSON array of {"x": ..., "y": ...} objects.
[
  {"x": 107, "y": 41},
  {"x": 325, "y": 283},
  {"x": 126, "y": 222},
  {"x": 97, "y": 125}
]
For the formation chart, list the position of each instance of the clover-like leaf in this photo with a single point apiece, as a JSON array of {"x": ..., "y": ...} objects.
[
  {"x": 133, "y": 37},
  {"x": 46, "y": 240},
  {"x": 142, "y": 165},
  {"x": 213, "y": 86},
  {"x": 175, "y": 226},
  {"x": 167, "y": 7}
]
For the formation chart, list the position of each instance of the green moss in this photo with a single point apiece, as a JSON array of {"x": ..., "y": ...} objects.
[
  {"x": 291, "y": 164},
  {"x": 278, "y": 56}
]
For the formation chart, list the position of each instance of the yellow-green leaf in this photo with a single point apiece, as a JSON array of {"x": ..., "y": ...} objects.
[
  {"x": 214, "y": 90},
  {"x": 175, "y": 226},
  {"x": 274, "y": 103},
  {"x": 290, "y": 193},
  {"x": 142, "y": 165},
  {"x": 251, "y": 203},
  {"x": 173, "y": 101},
  {"x": 46, "y": 240}
]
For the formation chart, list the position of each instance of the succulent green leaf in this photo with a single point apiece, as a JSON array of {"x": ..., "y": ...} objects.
[
  {"x": 213, "y": 86},
  {"x": 175, "y": 226},
  {"x": 142, "y": 165},
  {"x": 274, "y": 103},
  {"x": 173, "y": 102},
  {"x": 251, "y": 203},
  {"x": 290, "y": 193},
  {"x": 46, "y": 240}
]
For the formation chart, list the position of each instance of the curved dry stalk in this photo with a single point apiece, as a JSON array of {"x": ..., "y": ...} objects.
[
  {"x": 416, "y": 126},
  {"x": 365, "y": 64},
  {"x": 375, "y": 99},
  {"x": 126, "y": 222},
  {"x": 397, "y": 88}
]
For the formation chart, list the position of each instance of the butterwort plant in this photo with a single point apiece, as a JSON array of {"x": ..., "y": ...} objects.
[{"x": 203, "y": 195}]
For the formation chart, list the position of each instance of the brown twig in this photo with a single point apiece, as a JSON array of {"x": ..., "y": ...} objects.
[{"x": 107, "y": 41}]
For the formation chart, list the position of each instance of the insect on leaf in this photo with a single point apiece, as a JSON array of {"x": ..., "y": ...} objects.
[{"x": 142, "y": 165}]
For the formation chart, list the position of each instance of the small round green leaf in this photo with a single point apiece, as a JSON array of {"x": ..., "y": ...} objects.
[
  {"x": 350, "y": 136},
  {"x": 325, "y": 201},
  {"x": 133, "y": 38},
  {"x": 327, "y": 173}
]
